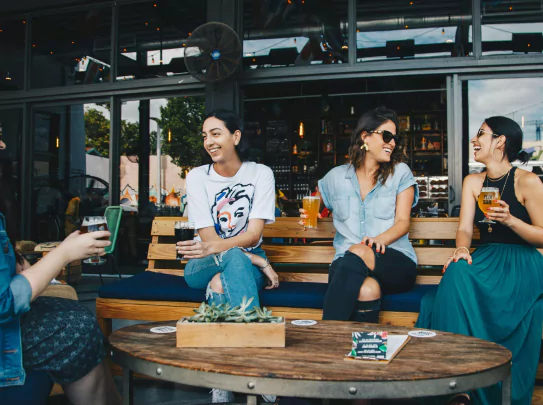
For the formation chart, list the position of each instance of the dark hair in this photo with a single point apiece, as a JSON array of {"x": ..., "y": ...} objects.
[
  {"x": 8, "y": 202},
  {"x": 513, "y": 137},
  {"x": 370, "y": 121},
  {"x": 313, "y": 184},
  {"x": 233, "y": 123}
]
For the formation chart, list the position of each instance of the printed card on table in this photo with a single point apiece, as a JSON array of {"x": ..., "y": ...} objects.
[{"x": 369, "y": 345}]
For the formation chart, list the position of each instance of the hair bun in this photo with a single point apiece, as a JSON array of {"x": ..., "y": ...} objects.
[{"x": 524, "y": 156}]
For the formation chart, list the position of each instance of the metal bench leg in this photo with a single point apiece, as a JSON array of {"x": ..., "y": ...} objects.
[
  {"x": 506, "y": 391},
  {"x": 128, "y": 388}
]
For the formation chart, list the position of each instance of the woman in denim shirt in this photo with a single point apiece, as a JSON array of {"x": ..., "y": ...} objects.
[
  {"x": 55, "y": 335},
  {"x": 371, "y": 200}
]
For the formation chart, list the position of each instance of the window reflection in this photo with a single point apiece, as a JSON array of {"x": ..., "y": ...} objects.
[
  {"x": 487, "y": 98},
  {"x": 71, "y": 48},
  {"x": 12, "y": 46},
  {"x": 294, "y": 33},
  {"x": 388, "y": 30},
  {"x": 153, "y": 37}
]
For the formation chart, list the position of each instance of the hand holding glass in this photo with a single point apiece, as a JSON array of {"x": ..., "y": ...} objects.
[
  {"x": 183, "y": 231},
  {"x": 93, "y": 224},
  {"x": 486, "y": 200}
]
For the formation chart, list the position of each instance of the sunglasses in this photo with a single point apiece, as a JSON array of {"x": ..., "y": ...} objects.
[
  {"x": 481, "y": 132},
  {"x": 387, "y": 136}
]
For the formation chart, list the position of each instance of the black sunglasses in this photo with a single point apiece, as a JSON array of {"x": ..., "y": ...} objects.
[
  {"x": 481, "y": 132},
  {"x": 387, "y": 135}
]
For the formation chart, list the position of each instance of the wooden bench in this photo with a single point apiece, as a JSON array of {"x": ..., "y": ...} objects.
[{"x": 293, "y": 262}]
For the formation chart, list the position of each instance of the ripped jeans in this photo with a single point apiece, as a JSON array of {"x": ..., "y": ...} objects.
[{"x": 239, "y": 277}]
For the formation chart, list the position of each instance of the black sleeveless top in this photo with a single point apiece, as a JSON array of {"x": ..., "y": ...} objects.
[{"x": 501, "y": 233}]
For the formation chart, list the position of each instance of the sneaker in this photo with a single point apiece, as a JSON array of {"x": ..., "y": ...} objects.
[{"x": 221, "y": 396}]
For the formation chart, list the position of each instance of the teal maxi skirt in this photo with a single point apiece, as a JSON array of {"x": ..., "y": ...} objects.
[{"x": 498, "y": 298}]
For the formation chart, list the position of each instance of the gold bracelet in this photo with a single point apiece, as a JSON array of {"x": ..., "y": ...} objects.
[{"x": 461, "y": 247}]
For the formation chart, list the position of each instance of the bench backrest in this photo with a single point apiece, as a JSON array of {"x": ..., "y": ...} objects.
[{"x": 309, "y": 262}]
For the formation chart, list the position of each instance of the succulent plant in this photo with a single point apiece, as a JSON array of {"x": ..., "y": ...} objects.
[{"x": 224, "y": 313}]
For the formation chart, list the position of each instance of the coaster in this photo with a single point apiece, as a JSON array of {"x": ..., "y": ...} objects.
[
  {"x": 422, "y": 333},
  {"x": 304, "y": 322},
  {"x": 163, "y": 329}
]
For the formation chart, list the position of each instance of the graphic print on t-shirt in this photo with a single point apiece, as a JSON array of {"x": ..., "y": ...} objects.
[{"x": 231, "y": 209}]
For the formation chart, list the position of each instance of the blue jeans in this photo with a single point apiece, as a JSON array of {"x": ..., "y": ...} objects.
[{"x": 239, "y": 277}]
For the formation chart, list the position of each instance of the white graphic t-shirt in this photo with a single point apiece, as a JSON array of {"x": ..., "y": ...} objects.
[{"x": 228, "y": 203}]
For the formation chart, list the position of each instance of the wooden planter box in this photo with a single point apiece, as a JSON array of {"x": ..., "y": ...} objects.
[{"x": 226, "y": 334}]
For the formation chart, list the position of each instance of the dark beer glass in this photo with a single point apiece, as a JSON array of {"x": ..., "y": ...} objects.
[
  {"x": 183, "y": 231},
  {"x": 93, "y": 224}
]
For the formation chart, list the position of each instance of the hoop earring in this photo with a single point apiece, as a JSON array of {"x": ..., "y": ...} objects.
[{"x": 365, "y": 147}]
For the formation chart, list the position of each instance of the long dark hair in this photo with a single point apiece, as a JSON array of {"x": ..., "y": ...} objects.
[
  {"x": 513, "y": 137},
  {"x": 233, "y": 123},
  {"x": 369, "y": 121},
  {"x": 9, "y": 206}
]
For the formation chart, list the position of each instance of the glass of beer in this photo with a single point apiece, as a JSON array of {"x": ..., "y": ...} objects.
[
  {"x": 311, "y": 207},
  {"x": 486, "y": 200},
  {"x": 184, "y": 230},
  {"x": 93, "y": 224}
]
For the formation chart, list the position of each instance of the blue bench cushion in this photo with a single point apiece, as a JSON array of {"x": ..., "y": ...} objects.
[{"x": 153, "y": 286}]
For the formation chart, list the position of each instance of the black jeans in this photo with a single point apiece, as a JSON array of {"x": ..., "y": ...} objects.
[{"x": 394, "y": 272}]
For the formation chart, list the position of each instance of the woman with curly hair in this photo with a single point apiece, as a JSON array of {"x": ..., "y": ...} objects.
[{"x": 371, "y": 199}]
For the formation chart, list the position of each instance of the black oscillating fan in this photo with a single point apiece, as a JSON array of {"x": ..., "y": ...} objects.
[{"x": 213, "y": 52}]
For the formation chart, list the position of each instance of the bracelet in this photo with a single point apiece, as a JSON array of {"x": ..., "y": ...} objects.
[
  {"x": 266, "y": 265},
  {"x": 461, "y": 247}
]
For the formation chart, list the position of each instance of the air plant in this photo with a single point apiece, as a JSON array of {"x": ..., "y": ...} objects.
[{"x": 239, "y": 314}]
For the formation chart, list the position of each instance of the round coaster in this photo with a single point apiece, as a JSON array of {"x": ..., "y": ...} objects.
[
  {"x": 421, "y": 333},
  {"x": 163, "y": 329},
  {"x": 304, "y": 322}
]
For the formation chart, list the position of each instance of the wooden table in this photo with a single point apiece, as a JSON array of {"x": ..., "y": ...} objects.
[{"x": 312, "y": 364}]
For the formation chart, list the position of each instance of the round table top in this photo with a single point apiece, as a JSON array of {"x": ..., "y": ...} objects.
[{"x": 317, "y": 353}]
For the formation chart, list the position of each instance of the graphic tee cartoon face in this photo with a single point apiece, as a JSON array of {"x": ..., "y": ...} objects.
[{"x": 231, "y": 209}]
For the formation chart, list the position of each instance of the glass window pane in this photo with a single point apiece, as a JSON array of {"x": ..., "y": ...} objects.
[
  {"x": 294, "y": 33},
  {"x": 491, "y": 97},
  {"x": 71, "y": 168},
  {"x": 512, "y": 27},
  {"x": 153, "y": 175},
  {"x": 12, "y": 47},
  {"x": 71, "y": 48},
  {"x": 153, "y": 35},
  {"x": 408, "y": 29}
]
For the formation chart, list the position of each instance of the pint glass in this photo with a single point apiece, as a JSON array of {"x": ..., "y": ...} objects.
[
  {"x": 485, "y": 201},
  {"x": 92, "y": 224},
  {"x": 183, "y": 231},
  {"x": 311, "y": 207}
]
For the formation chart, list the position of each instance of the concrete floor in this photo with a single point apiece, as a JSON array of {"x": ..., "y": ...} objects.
[{"x": 152, "y": 392}]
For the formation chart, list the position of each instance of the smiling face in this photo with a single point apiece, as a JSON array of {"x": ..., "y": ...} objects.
[
  {"x": 2, "y": 144},
  {"x": 219, "y": 142},
  {"x": 380, "y": 150},
  {"x": 485, "y": 144}
]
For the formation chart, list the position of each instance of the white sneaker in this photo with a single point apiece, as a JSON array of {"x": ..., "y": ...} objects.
[{"x": 221, "y": 396}]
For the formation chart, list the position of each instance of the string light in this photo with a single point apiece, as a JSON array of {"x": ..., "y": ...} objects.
[
  {"x": 1, "y": 31},
  {"x": 301, "y": 129},
  {"x": 146, "y": 23},
  {"x": 407, "y": 26},
  {"x": 154, "y": 5},
  {"x": 190, "y": 34},
  {"x": 410, "y": 3},
  {"x": 73, "y": 43},
  {"x": 124, "y": 49},
  {"x": 152, "y": 59},
  {"x": 24, "y": 21},
  {"x": 33, "y": 45},
  {"x": 510, "y": 8},
  {"x": 51, "y": 52},
  {"x": 58, "y": 142},
  {"x": 157, "y": 28},
  {"x": 443, "y": 31},
  {"x": 8, "y": 76},
  {"x": 169, "y": 135}
]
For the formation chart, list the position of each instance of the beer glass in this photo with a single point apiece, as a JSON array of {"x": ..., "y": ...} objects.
[
  {"x": 93, "y": 224},
  {"x": 184, "y": 231},
  {"x": 311, "y": 207},
  {"x": 486, "y": 200}
]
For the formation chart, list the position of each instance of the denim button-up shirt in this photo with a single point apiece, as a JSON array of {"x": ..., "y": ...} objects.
[
  {"x": 355, "y": 218},
  {"x": 15, "y": 295}
]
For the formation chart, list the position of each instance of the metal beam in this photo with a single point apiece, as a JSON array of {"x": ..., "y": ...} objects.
[
  {"x": 27, "y": 172},
  {"x": 115, "y": 151},
  {"x": 476, "y": 29},
  {"x": 27, "y": 60},
  {"x": 114, "y": 52},
  {"x": 351, "y": 32}
]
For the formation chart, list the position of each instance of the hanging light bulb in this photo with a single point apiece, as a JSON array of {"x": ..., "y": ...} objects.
[
  {"x": 345, "y": 46},
  {"x": 8, "y": 76},
  {"x": 169, "y": 135},
  {"x": 301, "y": 129},
  {"x": 57, "y": 142},
  {"x": 152, "y": 59},
  {"x": 443, "y": 31}
]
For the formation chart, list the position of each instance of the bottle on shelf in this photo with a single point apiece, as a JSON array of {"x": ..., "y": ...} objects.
[
  {"x": 329, "y": 146},
  {"x": 426, "y": 126},
  {"x": 295, "y": 149}
]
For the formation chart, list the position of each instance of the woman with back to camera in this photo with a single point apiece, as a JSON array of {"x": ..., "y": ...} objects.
[
  {"x": 229, "y": 202},
  {"x": 58, "y": 336},
  {"x": 496, "y": 292},
  {"x": 371, "y": 199}
]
